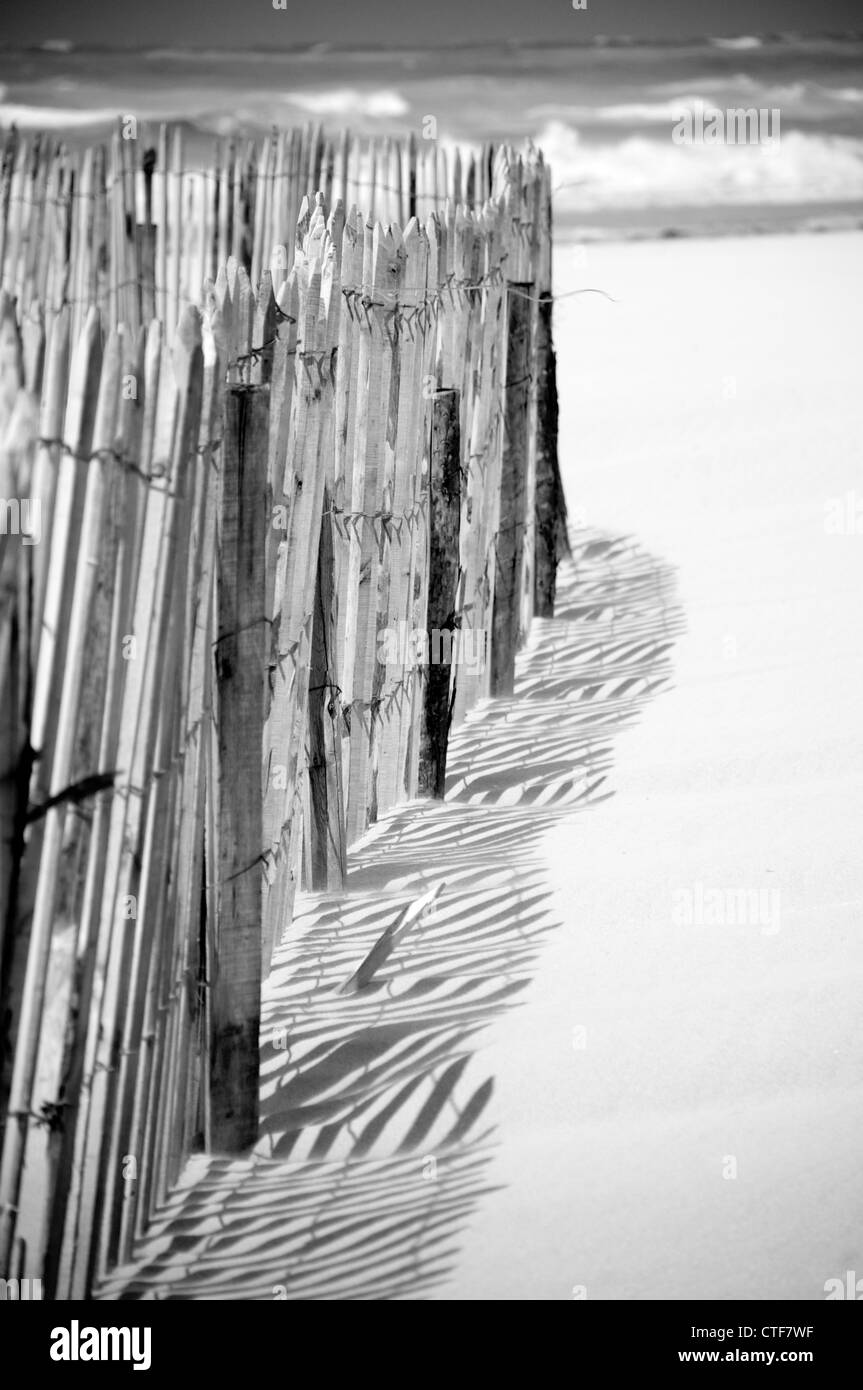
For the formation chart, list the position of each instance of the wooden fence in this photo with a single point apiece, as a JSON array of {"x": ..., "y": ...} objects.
[{"x": 251, "y": 569}]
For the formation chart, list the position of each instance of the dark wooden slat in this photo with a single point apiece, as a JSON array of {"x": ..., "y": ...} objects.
[
  {"x": 510, "y": 535},
  {"x": 444, "y": 520},
  {"x": 549, "y": 493},
  {"x": 327, "y": 829},
  {"x": 240, "y": 656}
]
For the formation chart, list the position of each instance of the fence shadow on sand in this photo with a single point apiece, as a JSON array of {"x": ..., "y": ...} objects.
[{"x": 375, "y": 1138}]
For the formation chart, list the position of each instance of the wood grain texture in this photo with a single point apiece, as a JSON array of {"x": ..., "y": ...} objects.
[
  {"x": 509, "y": 545},
  {"x": 444, "y": 569},
  {"x": 240, "y": 657}
]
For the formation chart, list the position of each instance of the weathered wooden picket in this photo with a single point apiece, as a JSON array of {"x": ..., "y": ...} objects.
[{"x": 250, "y": 553}]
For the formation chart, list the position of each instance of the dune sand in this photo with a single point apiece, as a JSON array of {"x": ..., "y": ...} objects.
[
  {"x": 713, "y": 412},
  {"x": 654, "y": 847}
]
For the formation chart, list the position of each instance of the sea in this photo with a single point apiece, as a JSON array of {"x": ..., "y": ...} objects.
[{"x": 603, "y": 112}]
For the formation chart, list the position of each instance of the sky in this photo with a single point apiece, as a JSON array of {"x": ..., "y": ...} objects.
[{"x": 229, "y": 23}]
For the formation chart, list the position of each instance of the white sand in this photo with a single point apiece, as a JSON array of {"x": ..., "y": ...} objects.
[
  {"x": 709, "y": 1049},
  {"x": 705, "y": 1042}
]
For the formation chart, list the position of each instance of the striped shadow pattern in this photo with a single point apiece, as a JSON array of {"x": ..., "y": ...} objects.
[{"x": 377, "y": 1116}]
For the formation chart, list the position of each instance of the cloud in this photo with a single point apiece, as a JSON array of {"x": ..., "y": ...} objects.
[
  {"x": 642, "y": 171},
  {"x": 347, "y": 102}
]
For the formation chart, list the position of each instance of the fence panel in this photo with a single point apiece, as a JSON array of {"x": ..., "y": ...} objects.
[{"x": 219, "y": 652}]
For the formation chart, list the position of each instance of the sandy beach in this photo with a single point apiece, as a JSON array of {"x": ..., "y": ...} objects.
[
  {"x": 619, "y": 1061},
  {"x": 431, "y": 669},
  {"x": 658, "y": 1057}
]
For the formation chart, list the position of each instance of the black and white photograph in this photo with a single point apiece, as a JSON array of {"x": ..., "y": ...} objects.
[{"x": 431, "y": 669}]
